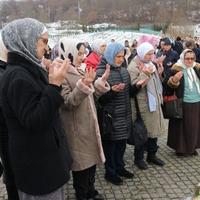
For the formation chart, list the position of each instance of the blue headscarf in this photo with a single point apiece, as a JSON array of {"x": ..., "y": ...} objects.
[{"x": 111, "y": 51}]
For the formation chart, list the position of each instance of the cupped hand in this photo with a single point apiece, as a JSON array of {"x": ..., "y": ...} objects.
[
  {"x": 160, "y": 59},
  {"x": 142, "y": 82},
  {"x": 160, "y": 68},
  {"x": 106, "y": 74},
  {"x": 89, "y": 76},
  {"x": 57, "y": 73},
  {"x": 118, "y": 87},
  {"x": 177, "y": 77},
  {"x": 148, "y": 69}
]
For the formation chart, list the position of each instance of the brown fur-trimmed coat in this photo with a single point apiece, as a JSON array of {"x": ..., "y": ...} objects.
[{"x": 170, "y": 87}]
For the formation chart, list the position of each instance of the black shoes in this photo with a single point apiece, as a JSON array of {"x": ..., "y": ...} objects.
[
  {"x": 181, "y": 154},
  {"x": 81, "y": 198},
  {"x": 195, "y": 153},
  {"x": 116, "y": 180},
  {"x": 155, "y": 160},
  {"x": 97, "y": 197},
  {"x": 92, "y": 195},
  {"x": 141, "y": 164},
  {"x": 126, "y": 174}
]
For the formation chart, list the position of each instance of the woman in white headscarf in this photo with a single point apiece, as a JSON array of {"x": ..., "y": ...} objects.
[
  {"x": 30, "y": 100},
  {"x": 80, "y": 119},
  {"x": 142, "y": 70},
  {"x": 184, "y": 81},
  {"x": 98, "y": 48}
]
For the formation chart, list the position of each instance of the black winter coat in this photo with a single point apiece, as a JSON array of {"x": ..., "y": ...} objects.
[
  {"x": 170, "y": 59},
  {"x": 178, "y": 47},
  {"x": 4, "y": 153},
  {"x": 197, "y": 54},
  {"x": 115, "y": 121},
  {"x": 37, "y": 143}
]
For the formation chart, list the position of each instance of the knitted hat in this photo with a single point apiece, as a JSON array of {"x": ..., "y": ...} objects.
[{"x": 166, "y": 41}]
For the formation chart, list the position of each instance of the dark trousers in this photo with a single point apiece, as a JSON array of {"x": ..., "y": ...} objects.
[
  {"x": 8, "y": 176},
  {"x": 83, "y": 182},
  {"x": 151, "y": 147},
  {"x": 1, "y": 169},
  {"x": 10, "y": 188},
  {"x": 114, "y": 153},
  {"x": 12, "y": 192}
]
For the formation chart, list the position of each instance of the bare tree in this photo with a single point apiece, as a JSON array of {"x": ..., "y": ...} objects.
[{"x": 116, "y": 11}]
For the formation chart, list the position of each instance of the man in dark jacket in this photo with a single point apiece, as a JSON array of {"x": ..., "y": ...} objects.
[
  {"x": 178, "y": 45},
  {"x": 171, "y": 55}
]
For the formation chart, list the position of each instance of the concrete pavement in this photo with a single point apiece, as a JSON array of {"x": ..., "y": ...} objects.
[{"x": 176, "y": 180}]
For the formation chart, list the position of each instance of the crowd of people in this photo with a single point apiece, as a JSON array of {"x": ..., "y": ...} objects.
[{"x": 73, "y": 107}]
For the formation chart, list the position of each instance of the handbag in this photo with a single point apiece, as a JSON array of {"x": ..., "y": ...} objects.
[
  {"x": 172, "y": 107},
  {"x": 139, "y": 133},
  {"x": 105, "y": 120}
]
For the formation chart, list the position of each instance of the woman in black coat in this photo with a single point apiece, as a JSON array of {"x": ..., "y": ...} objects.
[
  {"x": 114, "y": 113},
  {"x": 8, "y": 176},
  {"x": 30, "y": 103}
]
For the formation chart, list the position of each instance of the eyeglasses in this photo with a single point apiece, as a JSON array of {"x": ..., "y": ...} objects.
[
  {"x": 118, "y": 57},
  {"x": 44, "y": 40},
  {"x": 189, "y": 58},
  {"x": 150, "y": 54},
  {"x": 80, "y": 54}
]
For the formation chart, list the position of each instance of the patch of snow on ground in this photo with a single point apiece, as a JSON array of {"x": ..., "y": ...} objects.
[{"x": 118, "y": 36}]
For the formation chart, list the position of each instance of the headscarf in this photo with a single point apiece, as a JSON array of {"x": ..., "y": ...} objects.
[
  {"x": 21, "y": 35},
  {"x": 68, "y": 49},
  {"x": 154, "y": 85},
  {"x": 97, "y": 44},
  {"x": 3, "y": 50},
  {"x": 143, "y": 49},
  {"x": 111, "y": 51},
  {"x": 191, "y": 75},
  {"x": 182, "y": 57}
]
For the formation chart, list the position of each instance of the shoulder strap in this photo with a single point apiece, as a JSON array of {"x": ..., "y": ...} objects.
[{"x": 137, "y": 107}]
